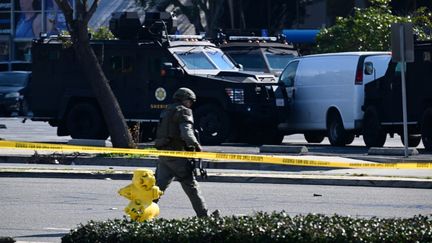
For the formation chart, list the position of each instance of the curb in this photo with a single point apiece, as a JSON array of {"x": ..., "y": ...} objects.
[
  {"x": 283, "y": 149},
  {"x": 392, "y": 151},
  {"x": 326, "y": 180},
  {"x": 146, "y": 162}
]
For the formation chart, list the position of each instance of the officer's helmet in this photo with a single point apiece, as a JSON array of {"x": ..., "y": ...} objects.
[{"x": 183, "y": 94}]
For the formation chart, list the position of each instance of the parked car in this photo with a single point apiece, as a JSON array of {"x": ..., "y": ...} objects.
[
  {"x": 15, "y": 66},
  {"x": 327, "y": 92},
  {"x": 12, "y": 87}
]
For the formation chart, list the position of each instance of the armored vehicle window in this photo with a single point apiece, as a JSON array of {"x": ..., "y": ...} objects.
[
  {"x": 195, "y": 60},
  {"x": 398, "y": 69},
  {"x": 427, "y": 56},
  {"x": 54, "y": 55},
  {"x": 250, "y": 61},
  {"x": 278, "y": 60},
  {"x": 221, "y": 60},
  {"x": 121, "y": 64},
  {"x": 202, "y": 59}
]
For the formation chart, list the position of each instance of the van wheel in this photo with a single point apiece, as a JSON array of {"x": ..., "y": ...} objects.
[
  {"x": 413, "y": 139},
  {"x": 349, "y": 138},
  {"x": 314, "y": 137},
  {"x": 85, "y": 121},
  {"x": 373, "y": 133},
  {"x": 212, "y": 123},
  {"x": 336, "y": 131},
  {"x": 426, "y": 129}
]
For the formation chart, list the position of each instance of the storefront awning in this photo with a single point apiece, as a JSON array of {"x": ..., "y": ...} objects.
[{"x": 300, "y": 36}]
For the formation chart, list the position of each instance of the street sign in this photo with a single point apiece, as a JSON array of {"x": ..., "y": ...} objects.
[{"x": 402, "y": 42}]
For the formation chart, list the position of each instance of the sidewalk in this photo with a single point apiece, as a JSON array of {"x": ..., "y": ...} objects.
[{"x": 25, "y": 163}]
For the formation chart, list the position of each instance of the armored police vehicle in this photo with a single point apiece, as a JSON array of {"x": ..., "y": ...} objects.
[
  {"x": 257, "y": 53},
  {"x": 145, "y": 66},
  {"x": 383, "y": 102}
]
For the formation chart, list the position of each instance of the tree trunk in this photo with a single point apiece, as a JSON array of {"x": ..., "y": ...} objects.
[
  {"x": 213, "y": 16},
  {"x": 195, "y": 19},
  {"x": 77, "y": 19},
  {"x": 120, "y": 135}
]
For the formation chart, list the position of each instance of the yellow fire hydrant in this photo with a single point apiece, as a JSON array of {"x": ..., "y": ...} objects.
[{"x": 141, "y": 193}]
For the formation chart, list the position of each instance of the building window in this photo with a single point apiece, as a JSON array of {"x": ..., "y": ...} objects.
[
  {"x": 5, "y": 43},
  {"x": 33, "y": 17},
  {"x": 24, "y": 20}
]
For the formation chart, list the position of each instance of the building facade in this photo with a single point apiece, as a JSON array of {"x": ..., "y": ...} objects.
[{"x": 23, "y": 20}]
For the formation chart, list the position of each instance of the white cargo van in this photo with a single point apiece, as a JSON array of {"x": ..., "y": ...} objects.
[{"x": 327, "y": 92}]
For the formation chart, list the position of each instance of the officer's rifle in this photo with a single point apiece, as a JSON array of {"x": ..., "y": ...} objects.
[{"x": 197, "y": 164}]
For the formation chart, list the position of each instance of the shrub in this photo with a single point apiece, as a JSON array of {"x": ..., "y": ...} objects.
[{"x": 261, "y": 227}]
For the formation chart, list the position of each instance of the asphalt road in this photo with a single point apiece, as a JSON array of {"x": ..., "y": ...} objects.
[
  {"x": 43, "y": 132},
  {"x": 42, "y": 210}
]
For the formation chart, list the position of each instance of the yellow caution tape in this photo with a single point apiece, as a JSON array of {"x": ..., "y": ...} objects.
[{"x": 270, "y": 159}]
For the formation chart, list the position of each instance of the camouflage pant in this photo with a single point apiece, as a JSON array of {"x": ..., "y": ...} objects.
[{"x": 180, "y": 168}]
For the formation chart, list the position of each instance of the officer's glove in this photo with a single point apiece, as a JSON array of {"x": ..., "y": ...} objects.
[
  {"x": 198, "y": 147},
  {"x": 190, "y": 148},
  {"x": 194, "y": 147}
]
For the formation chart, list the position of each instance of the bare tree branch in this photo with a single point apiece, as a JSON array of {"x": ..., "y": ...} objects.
[
  {"x": 217, "y": 11},
  {"x": 67, "y": 10},
  {"x": 91, "y": 11},
  {"x": 203, "y": 6},
  {"x": 81, "y": 9},
  {"x": 159, "y": 5},
  {"x": 178, "y": 4}
]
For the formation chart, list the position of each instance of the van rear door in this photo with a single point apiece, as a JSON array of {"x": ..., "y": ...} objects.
[
  {"x": 379, "y": 65},
  {"x": 373, "y": 67}
]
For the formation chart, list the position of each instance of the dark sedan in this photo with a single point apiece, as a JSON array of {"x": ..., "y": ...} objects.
[{"x": 12, "y": 87}]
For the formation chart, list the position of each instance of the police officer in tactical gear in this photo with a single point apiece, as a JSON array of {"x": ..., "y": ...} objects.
[{"x": 175, "y": 132}]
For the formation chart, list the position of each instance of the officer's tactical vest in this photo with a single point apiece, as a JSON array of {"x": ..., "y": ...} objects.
[{"x": 168, "y": 132}]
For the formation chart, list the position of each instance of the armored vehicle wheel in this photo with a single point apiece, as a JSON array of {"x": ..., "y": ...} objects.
[
  {"x": 147, "y": 132},
  {"x": 264, "y": 136},
  {"x": 313, "y": 137},
  {"x": 336, "y": 131},
  {"x": 24, "y": 108},
  {"x": 426, "y": 129},
  {"x": 373, "y": 134},
  {"x": 413, "y": 139},
  {"x": 212, "y": 123},
  {"x": 273, "y": 137},
  {"x": 85, "y": 121}
]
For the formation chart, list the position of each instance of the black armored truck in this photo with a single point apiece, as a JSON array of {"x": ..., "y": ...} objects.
[
  {"x": 267, "y": 54},
  {"x": 145, "y": 65},
  {"x": 383, "y": 102}
]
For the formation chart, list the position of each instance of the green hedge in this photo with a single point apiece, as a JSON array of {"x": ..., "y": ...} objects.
[{"x": 261, "y": 227}]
